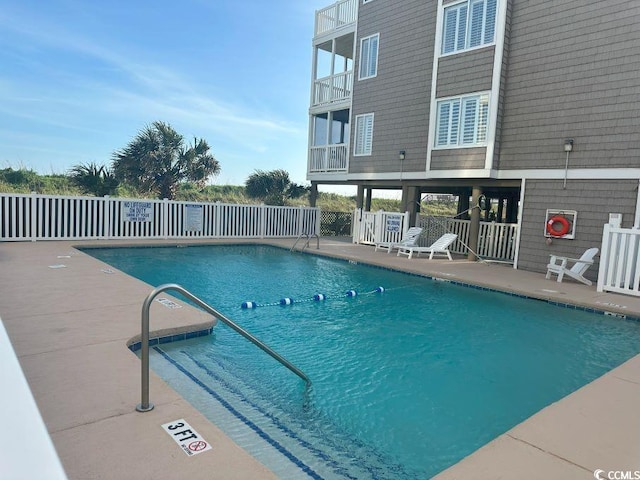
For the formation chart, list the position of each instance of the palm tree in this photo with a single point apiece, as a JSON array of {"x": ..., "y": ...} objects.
[
  {"x": 158, "y": 159},
  {"x": 94, "y": 179},
  {"x": 273, "y": 187}
]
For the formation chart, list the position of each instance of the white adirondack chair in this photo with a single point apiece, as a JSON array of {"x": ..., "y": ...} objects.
[{"x": 559, "y": 266}]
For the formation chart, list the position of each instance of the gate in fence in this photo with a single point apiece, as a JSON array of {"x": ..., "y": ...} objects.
[{"x": 620, "y": 261}]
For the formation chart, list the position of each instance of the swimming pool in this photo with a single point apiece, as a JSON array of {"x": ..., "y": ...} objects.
[{"x": 405, "y": 383}]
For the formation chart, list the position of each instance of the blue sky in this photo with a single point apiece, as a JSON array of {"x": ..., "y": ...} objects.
[{"x": 79, "y": 79}]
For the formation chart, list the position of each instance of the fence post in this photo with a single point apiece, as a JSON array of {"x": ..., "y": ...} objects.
[
  {"x": 263, "y": 220},
  {"x": 32, "y": 211},
  {"x": 165, "y": 218},
  {"x": 300, "y": 220},
  {"x": 604, "y": 257},
  {"x": 106, "y": 229},
  {"x": 218, "y": 214},
  {"x": 318, "y": 213}
]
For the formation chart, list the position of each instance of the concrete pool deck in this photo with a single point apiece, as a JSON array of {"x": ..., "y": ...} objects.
[{"x": 70, "y": 326}]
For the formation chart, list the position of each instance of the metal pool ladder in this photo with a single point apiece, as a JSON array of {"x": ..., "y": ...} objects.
[
  {"x": 145, "y": 405},
  {"x": 309, "y": 236}
]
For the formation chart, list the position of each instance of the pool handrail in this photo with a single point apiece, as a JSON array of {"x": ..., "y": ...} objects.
[{"x": 145, "y": 405}]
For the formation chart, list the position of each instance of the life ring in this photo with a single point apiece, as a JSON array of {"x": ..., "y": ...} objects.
[
  {"x": 483, "y": 203},
  {"x": 565, "y": 226}
]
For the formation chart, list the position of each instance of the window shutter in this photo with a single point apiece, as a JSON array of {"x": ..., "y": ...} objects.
[
  {"x": 373, "y": 56},
  {"x": 368, "y": 140},
  {"x": 469, "y": 113},
  {"x": 475, "y": 23},
  {"x": 443, "y": 123},
  {"x": 364, "y": 134},
  {"x": 455, "y": 122},
  {"x": 462, "y": 27},
  {"x": 490, "y": 21},
  {"x": 364, "y": 55},
  {"x": 483, "y": 118},
  {"x": 449, "y": 37}
]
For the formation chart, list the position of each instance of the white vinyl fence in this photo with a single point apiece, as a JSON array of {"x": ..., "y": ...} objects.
[
  {"x": 370, "y": 228},
  {"x": 620, "y": 261},
  {"x": 49, "y": 217}
]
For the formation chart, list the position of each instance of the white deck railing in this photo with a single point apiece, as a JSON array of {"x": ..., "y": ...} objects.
[
  {"x": 333, "y": 88},
  {"x": 328, "y": 158},
  {"x": 49, "y": 217},
  {"x": 335, "y": 16},
  {"x": 620, "y": 261}
]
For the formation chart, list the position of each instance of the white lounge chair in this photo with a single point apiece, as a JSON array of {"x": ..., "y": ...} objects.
[
  {"x": 410, "y": 238},
  {"x": 558, "y": 265},
  {"x": 439, "y": 247}
]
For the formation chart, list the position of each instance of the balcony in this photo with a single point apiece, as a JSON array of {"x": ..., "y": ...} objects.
[
  {"x": 336, "y": 16},
  {"x": 334, "y": 88},
  {"x": 329, "y": 158}
]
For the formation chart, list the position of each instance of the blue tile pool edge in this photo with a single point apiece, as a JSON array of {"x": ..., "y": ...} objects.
[{"x": 177, "y": 337}]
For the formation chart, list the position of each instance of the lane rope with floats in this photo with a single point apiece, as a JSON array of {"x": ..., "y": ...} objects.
[{"x": 318, "y": 297}]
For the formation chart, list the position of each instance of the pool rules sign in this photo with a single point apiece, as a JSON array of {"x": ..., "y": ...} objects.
[{"x": 185, "y": 436}]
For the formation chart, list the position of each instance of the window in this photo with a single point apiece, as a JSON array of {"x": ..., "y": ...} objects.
[
  {"x": 469, "y": 24},
  {"x": 368, "y": 57},
  {"x": 363, "y": 134},
  {"x": 462, "y": 121}
]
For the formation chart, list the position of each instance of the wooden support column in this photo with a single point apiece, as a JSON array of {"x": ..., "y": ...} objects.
[
  {"x": 410, "y": 202},
  {"x": 313, "y": 194},
  {"x": 474, "y": 228},
  {"x": 360, "y": 197},
  {"x": 367, "y": 201}
]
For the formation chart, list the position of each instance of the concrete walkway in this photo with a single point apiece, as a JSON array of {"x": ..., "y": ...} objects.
[{"x": 70, "y": 327}]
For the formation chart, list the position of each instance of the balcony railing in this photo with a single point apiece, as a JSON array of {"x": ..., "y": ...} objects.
[
  {"x": 336, "y": 16},
  {"x": 333, "y": 88},
  {"x": 329, "y": 158}
]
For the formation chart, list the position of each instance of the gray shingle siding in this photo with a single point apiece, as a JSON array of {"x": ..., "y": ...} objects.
[
  {"x": 572, "y": 72},
  {"x": 465, "y": 73},
  {"x": 592, "y": 199},
  {"x": 399, "y": 95},
  {"x": 458, "y": 158}
]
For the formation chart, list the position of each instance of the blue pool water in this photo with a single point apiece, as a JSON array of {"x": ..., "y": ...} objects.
[{"x": 405, "y": 383}]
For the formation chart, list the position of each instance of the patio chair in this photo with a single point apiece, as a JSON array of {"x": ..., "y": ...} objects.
[
  {"x": 410, "y": 238},
  {"x": 558, "y": 265},
  {"x": 439, "y": 247}
]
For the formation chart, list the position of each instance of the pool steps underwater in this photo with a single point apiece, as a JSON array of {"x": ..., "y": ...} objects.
[{"x": 275, "y": 437}]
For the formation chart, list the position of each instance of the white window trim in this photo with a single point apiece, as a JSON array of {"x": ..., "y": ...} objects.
[
  {"x": 362, "y": 40},
  {"x": 462, "y": 98},
  {"x": 467, "y": 49},
  {"x": 355, "y": 135}
]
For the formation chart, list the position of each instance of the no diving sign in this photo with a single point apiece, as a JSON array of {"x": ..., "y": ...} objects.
[{"x": 185, "y": 436}]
